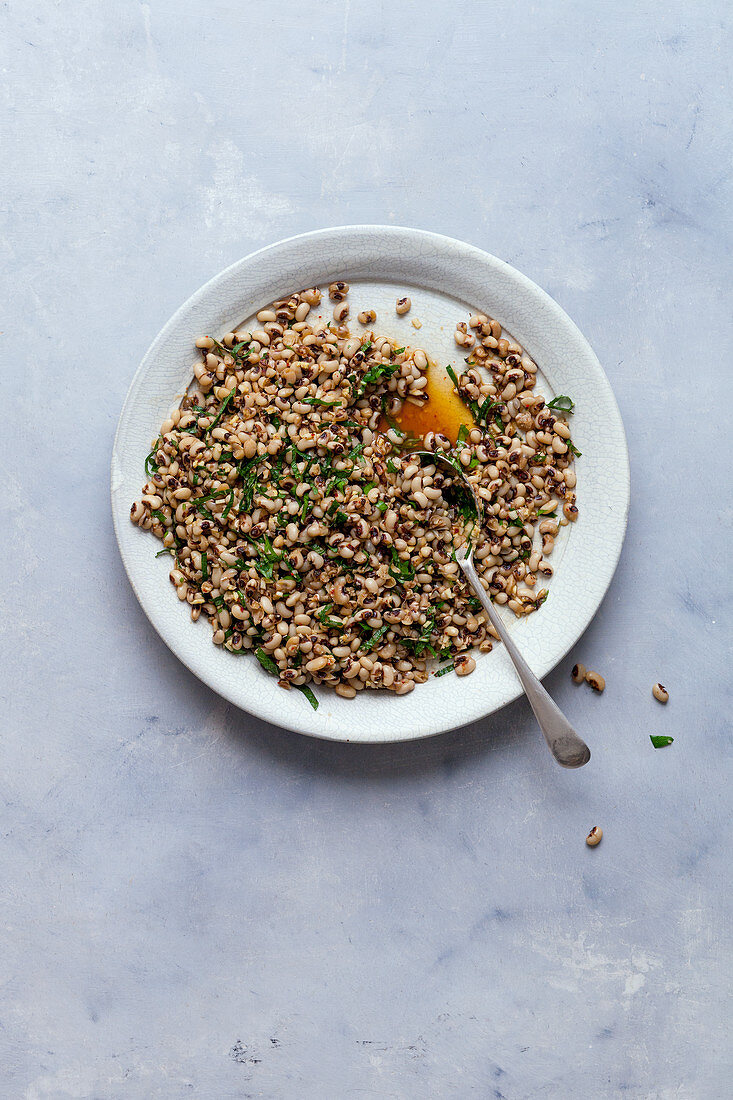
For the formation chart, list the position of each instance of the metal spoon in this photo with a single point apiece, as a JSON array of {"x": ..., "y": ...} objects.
[{"x": 562, "y": 740}]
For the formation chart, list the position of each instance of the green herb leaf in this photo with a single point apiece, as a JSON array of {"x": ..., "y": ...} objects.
[
  {"x": 379, "y": 372},
  {"x": 204, "y": 566},
  {"x": 382, "y": 506},
  {"x": 573, "y": 449},
  {"x": 376, "y": 638},
  {"x": 151, "y": 466},
  {"x": 230, "y": 502},
  {"x": 327, "y": 619},
  {"x": 562, "y": 402},
  {"x": 660, "y": 741},
  {"x": 485, "y": 409},
  {"x": 463, "y": 433},
  {"x": 248, "y": 475},
  {"x": 305, "y": 690},
  {"x": 447, "y": 668},
  {"x": 165, "y": 550},
  {"x": 222, "y": 410},
  {"x": 400, "y": 570},
  {"x": 321, "y": 404},
  {"x": 267, "y": 662}
]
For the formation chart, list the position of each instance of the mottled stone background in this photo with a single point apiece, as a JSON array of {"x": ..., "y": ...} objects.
[{"x": 194, "y": 904}]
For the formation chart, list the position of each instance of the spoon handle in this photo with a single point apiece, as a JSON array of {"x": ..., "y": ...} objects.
[{"x": 562, "y": 740}]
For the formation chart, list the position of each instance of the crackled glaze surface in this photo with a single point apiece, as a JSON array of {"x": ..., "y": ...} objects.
[{"x": 445, "y": 280}]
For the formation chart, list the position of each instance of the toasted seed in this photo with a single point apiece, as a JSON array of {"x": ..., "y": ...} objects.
[
  {"x": 595, "y": 680},
  {"x": 660, "y": 693},
  {"x": 578, "y": 673},
  {"x": 594, "y": 837}
]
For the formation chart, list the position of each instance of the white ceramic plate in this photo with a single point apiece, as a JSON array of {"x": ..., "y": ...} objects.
[{"x": 446, "y": 280}]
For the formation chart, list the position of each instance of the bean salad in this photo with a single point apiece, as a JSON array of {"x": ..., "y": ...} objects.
[{"x": 302, "y": 525}]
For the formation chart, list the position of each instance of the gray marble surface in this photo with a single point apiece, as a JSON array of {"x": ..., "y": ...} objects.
[{"x": 195, "y": 904}]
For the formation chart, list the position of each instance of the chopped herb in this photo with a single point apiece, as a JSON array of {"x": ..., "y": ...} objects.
[
  {"x": 305, "y": 690},
  {"x": 222, "y": 410},
  {"x": 267, "y": 662},
  {"x": 317, "y": 401},
  {"x": 365, "y": 347},
  {"x": 267, "y": 558},
  {"x": 328, "y": 620},
  {"x": 382, "y": 506},
  {"x": 391, "y": 466},
  {"x": 659, "y": 741},
  {"x": 400, "y": 570},
  {"x": 199, "y": 501},
  {"x": 269, "y": 666},
  {"x": 574, "y": 450},
  {"x": 485, "y": 409},
  {"x": 423, "y": 642},
  {"x": 463, "y": 433},
  {"x": 150, "y": 464},
  {"x": 376, "y": 638},
  {"x": 446, "y": 668},
  {"x": 562, "y": 402},
  {"x": 377, "y": 373},
  {"x": 165, "y": 550},
  {"x": 452, "y": 375},
  {"x": 159, "y": 516},
  {"x": 474, "y": 603},
  {"x": 398, "y": 351},
  {"x": 248, "y": 474},
  {"x": 204, "y": 566},
  {"x": 548, "y": 511},
  {"x": 228, "y": 508}
]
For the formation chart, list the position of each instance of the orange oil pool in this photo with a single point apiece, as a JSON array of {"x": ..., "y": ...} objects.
[{"x": 442, "y": 412}]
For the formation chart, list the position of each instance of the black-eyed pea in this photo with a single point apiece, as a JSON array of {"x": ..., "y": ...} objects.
[
  {"x": 341, "y": 312},
  {"x": 595, "y": 836},
  {"x": 660, "y": 693},
  {"x": 337, "y": 291},
  {"x": 595, "y": 680},
  {"x": 569, "y": 508},
  {"x": 578, "y": 674},
  {"x": 403, "y": 306},
  {"x": 367, "y": 317},
  {"x": 465, "y": 665}
]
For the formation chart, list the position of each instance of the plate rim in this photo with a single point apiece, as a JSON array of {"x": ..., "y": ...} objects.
[{"x": 309, "y": 725}]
